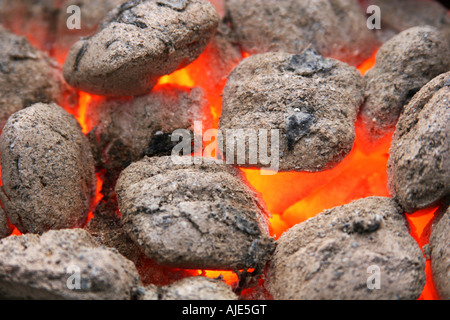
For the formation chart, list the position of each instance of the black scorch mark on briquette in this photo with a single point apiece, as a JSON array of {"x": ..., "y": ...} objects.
[
  {"x": 178, "y": 5},
  {"x": 298, "y": 125},
  {"x": 79, "y": 56}
]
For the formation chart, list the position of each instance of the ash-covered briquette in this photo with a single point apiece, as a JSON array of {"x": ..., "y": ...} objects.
[
  {"x": 5, "y": 227},
  {"x": 27, "y": 76},
  {"x": 194, "y": 216},
  {"x": 334, "y": 255},
  {"x": 65, "y": 264},
  {"x": 139, "y": 42},
  {"x": 312, "y": 101},
  {"x": 440, "y": 256},
  {"x": 397, "y": 16},
  {"x": 419, "y": 164},
  {"x": 335, "y": 28},
  {"x": 92, "y": 14},
  {"x": 127, "y": 130},
  {"x": 193, "y": 288},
  {"x": 404, "y": 65},
  {"x": 48, "y": 170},
  {"x": 107, "y": 230}
]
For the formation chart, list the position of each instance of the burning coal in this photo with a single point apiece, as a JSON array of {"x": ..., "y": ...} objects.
[{"x": 355, "y": 208}]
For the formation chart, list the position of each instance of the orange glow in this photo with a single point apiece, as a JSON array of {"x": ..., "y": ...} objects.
[
  {"x": 84, "y": 103},
  {"x": 180, "y": 78},
  {"x": 228, "y": 277},
  {"x": 421, "y": 223},
  {"x": 81, "y": 112},
  {"x": 98, "y": 192},
  {"x": 429, "y": 292},
  {"x": 368, "y": 64},
  {"x": 294, "y": 197},
  {"x": 97, "y": 199},
  {"x": 245, "y": 55},
  {"x": 277, "y": 225},
  {"x": 85, "y": 100},
  {"x": 16, "y": 232},
  {"x": 297, "y": 196},
  {"x": 291, "y": 197}
]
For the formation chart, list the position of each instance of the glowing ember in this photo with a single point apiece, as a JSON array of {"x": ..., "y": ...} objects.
[
  {"x": 97, "y": 199},
  {"x": 180, "y": 77},
  {"x": 228, "y": 277},
  {"x": 81, "y": 113},
  {"x": 297, "y": 196},
  {"x": 294, "y": 197},
  {"x": 84, "y": 101},
  {"x": 16, "y": 232},
  {"x": 368, "y": 64},
  {"x": 421, "y": 223}
]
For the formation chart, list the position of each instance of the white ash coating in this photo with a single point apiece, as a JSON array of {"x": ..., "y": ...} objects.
[
  {"x": 419, "y": 163},
  {"x": 92, "y": 14},
  {"x": 48, "y": 170},
  {"x": 328, "y": 257},
  {"x": 194, "y": 217},
  {"x": 397, "y": 17},
  {"x": 403, "y": 66},
  {"x": 191, "y": 289},
  {"x": 27, "y": 76},
  {"x": 5, "y": 227},
  {"x": 44, "y": 264},
  {"x": 124, "y": 131},
  {"x": 138, "y": 43}
]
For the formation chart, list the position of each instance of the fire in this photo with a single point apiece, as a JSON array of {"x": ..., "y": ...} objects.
[
  {"x": 84, "y": 101},
  {"x": 97, "y": 199},
  {"x": 293, "y": 197},
  {"x": 229, "y": 277},
  {"x": 368, "y": 64},
  {"x": 180, "y": 78},
  {"x": 81, "y": 112},
  {"x": 421, "y": 223}
]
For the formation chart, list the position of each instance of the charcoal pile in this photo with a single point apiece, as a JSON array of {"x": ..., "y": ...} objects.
[{"x": 160, "y": 150}]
